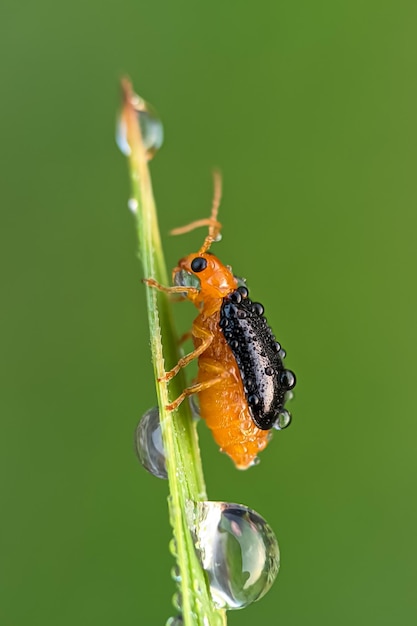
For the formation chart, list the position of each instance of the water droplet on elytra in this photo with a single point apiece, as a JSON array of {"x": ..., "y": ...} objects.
[
  {"x": 241, "y": 282},
  {"x": 288, "y": 396},
  {"x": 150, "y": 126},
  {"x": 283, "y": 420},
  {"x": 287, "y": 379},
  {"x": 238, "y": 550},
  {"x": 149, "y": 445}
]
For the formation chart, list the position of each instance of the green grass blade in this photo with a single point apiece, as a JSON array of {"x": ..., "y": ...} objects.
[{"x": 185, "y": 473}]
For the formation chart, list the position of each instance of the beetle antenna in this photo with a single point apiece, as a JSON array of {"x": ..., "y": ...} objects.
[{"x": 212, "y": 222}]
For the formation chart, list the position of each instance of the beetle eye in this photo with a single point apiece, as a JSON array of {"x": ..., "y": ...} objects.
[{"x": 198, "y": 264}]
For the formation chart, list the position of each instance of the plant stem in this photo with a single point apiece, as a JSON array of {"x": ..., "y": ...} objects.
[{"x": 185, "y": 473}]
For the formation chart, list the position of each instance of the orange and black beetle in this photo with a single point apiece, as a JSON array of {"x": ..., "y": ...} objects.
[{"x": 241, "y": 382}]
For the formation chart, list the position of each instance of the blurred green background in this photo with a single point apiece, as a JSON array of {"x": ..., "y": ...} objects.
[{"x": 309, "y": 109}]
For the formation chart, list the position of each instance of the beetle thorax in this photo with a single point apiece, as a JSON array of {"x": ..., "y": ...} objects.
[{"x": 215, "y": 279}]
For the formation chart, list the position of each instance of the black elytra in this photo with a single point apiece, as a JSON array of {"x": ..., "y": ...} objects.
[{"x": 257, "y": 353}]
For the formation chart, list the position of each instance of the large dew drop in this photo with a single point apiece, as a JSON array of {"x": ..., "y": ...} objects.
[
  {"x": 150, "y": 126},
  {"x": 238, "y": 550},
  {"x": 149, "y": 445}
]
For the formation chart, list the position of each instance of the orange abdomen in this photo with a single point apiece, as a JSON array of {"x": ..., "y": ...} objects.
[{"x": 223, "y": 406}]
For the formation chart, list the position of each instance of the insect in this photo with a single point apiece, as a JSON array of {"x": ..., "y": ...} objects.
[{"x": 242, "y": 383}]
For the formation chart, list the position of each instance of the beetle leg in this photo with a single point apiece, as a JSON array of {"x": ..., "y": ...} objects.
[
  {"x": 206, "y": 338},
  {"x": 185, "y": 336},
  {"x": 151, "y": 282},
  {"x": 196, "y": 388}
]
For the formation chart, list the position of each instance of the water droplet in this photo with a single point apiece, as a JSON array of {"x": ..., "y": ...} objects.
[
  {"x": 289, "y": 395},
  {"x": 175, "y": 621},
  {"x": 287, "y": 379},
  {"x": 283, "y": 420},
  {"x": 121, "y": 138},
  {"x": 150, "y": 126},
  {"x": 182, "y": 278},
  {"x": 148, "y": 439},
  {"x": 177, "y": 600},
  {"x": 238, "y": 550},
  {"x": 172, "y": 546},
  {"x": 132, "y": 205},
  {"x": 149, "y": 446},
  {"x": 176, "y": 574}
]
